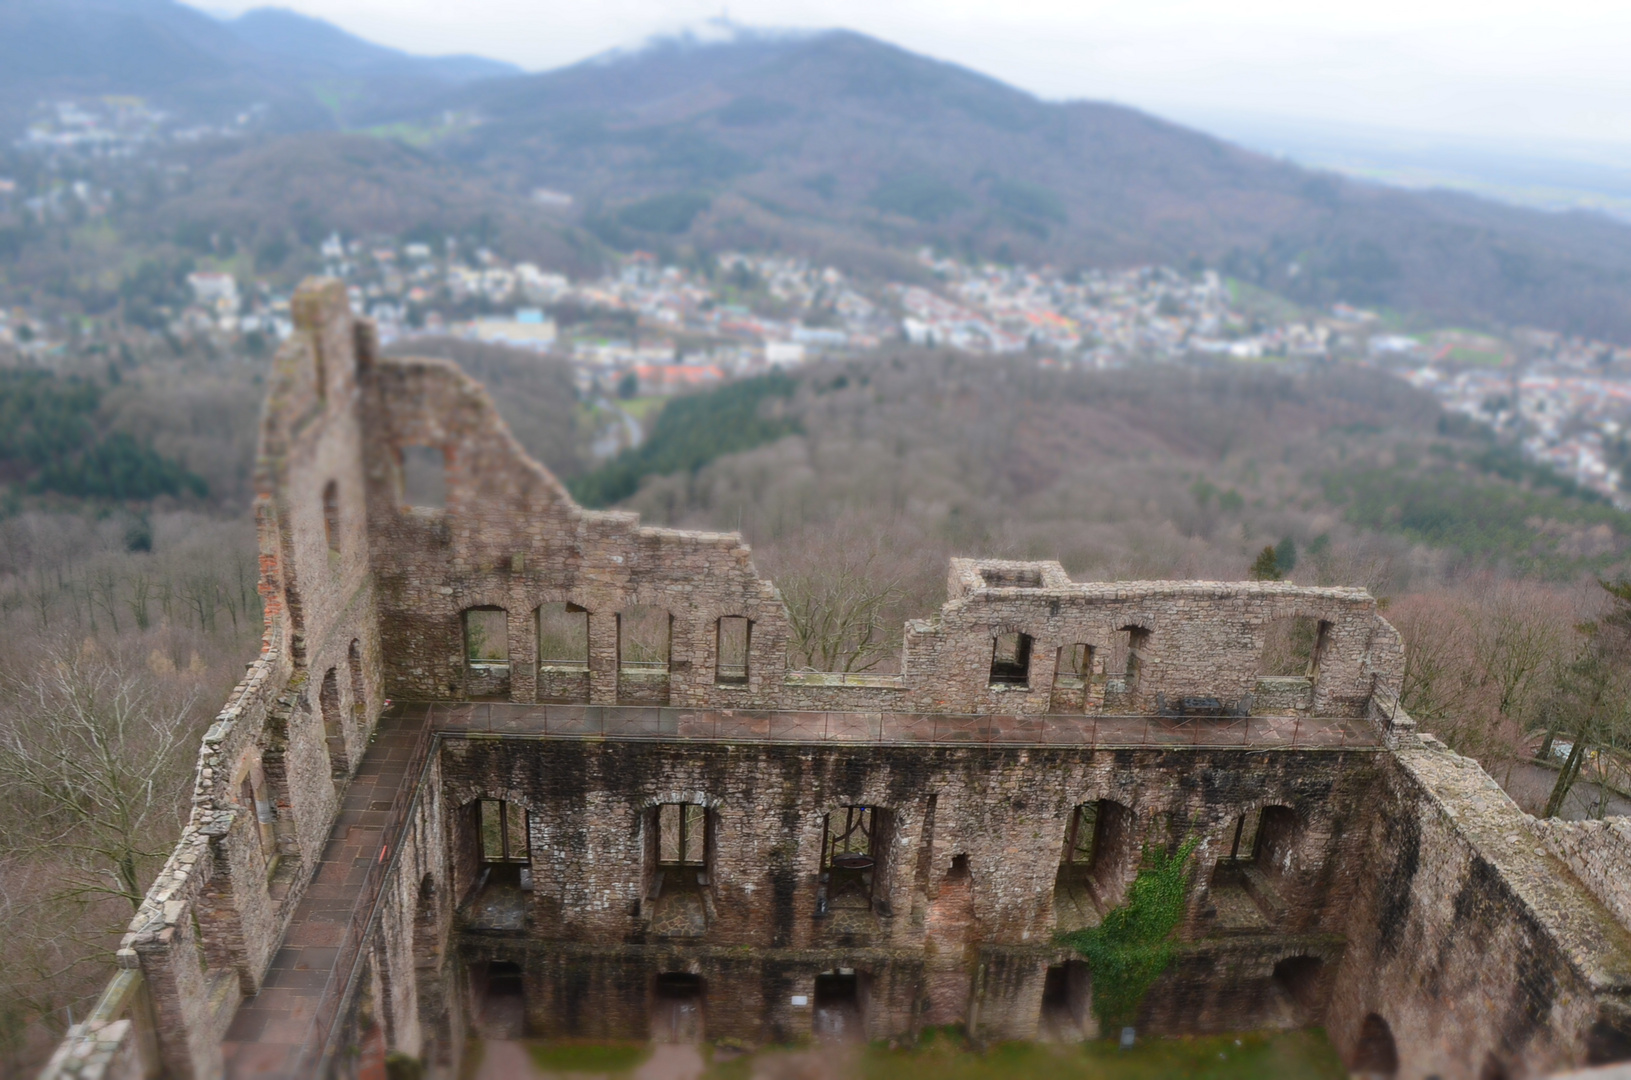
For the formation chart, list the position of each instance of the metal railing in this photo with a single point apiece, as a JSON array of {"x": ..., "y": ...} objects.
[{"x": 902, "y": 729}]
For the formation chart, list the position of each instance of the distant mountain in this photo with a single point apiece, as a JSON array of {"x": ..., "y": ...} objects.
[
  {"x": 835, "y": 141},
  {"x": 828, "y": 143},
  {"x": 289, "y": 35},
  {"x": 307, "y": 73}
]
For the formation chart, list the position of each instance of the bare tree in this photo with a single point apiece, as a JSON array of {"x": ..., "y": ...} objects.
[
  {"x": 93, "y": 770},
  {"x": 837, "y": 619},
  {"x": 1591, "y": 702}
]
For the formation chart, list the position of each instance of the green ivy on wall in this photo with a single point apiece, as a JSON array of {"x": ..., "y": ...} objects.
[{"x": 1130, "y": 949}]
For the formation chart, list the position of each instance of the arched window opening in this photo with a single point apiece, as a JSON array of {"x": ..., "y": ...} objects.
[
  {"x": 1011, "y": 660},
  {"x": 731, "y": 668},
  {"x": 1099, "y": 857},
  {"x": 682, "y": 833},
  {"x": 328, "y": 703},
  {"x": 1072, "y": 675},
  {"x": 492, "y": 868},
  {"x": 1123, "y": 667},
  {"x": 423, "y": 477},
  {"x": 1376, "y": 1056},
  {"x": 1138, "y": 642},
  {"x": 487, "y": 652},
  {"x": 331, "y": 515},
  {"x": 1246, "y": 888},
  {"x": 257, "y": 804}
]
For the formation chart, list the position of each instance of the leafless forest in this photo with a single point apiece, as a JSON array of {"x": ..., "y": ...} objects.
[{"x": 122, "y": 628}]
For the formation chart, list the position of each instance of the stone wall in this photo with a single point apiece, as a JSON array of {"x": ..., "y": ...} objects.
[
  {"x": 986, "y": 824},
  {"x": 1477, "y": 949},
  {"x": 1599, "y": 853}
]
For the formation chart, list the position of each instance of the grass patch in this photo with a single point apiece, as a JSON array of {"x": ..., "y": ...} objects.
[
  {"x": 588, "y": 1057},
  {"x": 1291, "y": 1055}
]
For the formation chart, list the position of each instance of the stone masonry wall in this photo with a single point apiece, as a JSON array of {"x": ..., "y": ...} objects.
[{"x": 1476, "y": 947}]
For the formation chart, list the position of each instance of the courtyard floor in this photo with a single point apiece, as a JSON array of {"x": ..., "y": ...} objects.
[{"x": 1291, "y": 1055}]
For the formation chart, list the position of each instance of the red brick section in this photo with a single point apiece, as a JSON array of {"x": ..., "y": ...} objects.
[{"x": 277, "y": 1032}]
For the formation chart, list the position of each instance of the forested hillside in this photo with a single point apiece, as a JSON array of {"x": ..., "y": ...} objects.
[{"x": 1156, "y": 472}]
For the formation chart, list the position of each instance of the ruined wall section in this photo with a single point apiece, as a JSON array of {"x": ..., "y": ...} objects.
[
  {"x": 1471, "y": 942},
  {"x": 310, "y": 471},
  {"x": 510, "y": 537},
  {"x": 962, "y": 923},
  {"x": 1201, "y": 639},
  {"x": 1001, "y": 813}
]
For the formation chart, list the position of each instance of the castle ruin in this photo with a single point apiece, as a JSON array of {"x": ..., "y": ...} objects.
[{"x": 507, "y": 766}]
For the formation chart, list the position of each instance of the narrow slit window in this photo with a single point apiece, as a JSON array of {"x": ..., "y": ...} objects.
[
  {"x": 734, "y": 635},
  {"x": 1011, "y": 660},
  {"x": 504, "y": 832},
  {"x": 487, "y": 639},
  {"x": 682, "y": 834},
  {"x": 331, "y": 515},
  {"x": 563, "y": 637},
  {"x": 424, "y": 477}
]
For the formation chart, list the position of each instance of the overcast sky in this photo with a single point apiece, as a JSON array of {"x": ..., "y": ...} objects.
[{"x": 1549, "y": 70}]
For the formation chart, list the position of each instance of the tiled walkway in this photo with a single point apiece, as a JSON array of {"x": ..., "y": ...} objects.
[{"x": 275, "y": 1028}]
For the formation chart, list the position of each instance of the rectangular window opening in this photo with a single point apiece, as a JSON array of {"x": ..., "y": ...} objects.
[
  {"x": 504, "y": 837},
  {"x": 682, "y": 834},
  {"x": 424, "y": 477},
  {"x": 848, "y": 861},
  {"x": 734, "y": 639},
  {"x": 487, "y": 639},
  {"x": 563, "y": 637},
  {"x": 643, "y": 637},
  {"x": 1011, "y": 660}
]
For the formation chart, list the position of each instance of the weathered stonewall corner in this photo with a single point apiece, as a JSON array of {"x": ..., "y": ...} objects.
[{"x": 509, "y": 766}]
